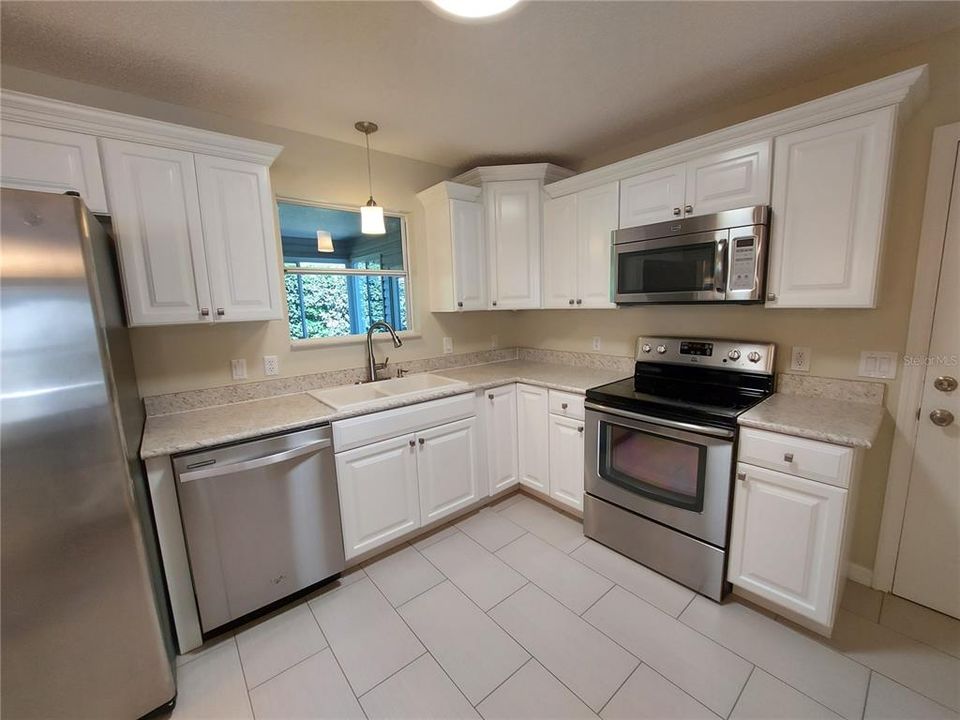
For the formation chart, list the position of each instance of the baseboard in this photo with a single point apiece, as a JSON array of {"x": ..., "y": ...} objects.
[{"x": 860, "y": 574}]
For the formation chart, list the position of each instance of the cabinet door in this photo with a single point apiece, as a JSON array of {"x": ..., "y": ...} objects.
[
  {"x": 469, "y": 258},
  {"x": 786, "y": 540},
  {"x": 236, "y": 207},
  {"x": 448, "y": 466},
  {"x": 652, "y": 197},
  {"x": 597, "y": 215},
  {"x": 533, "y": 454},
  {"x": 156, "y": 215},
  {"x": 560, "y": 252},
  {"x": 513, "y": 243},
  {"x": 53, "y": 161},
  {"x": 729, "y": 179},
  {"x": 829, "y": 203},
  {"x": 500, "y": 416},
  {"x": 379, "y": 493},
  {"x": 566, "y": 461}
]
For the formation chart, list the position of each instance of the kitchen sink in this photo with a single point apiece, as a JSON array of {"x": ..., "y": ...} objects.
[{"x": 351, "y": 396}]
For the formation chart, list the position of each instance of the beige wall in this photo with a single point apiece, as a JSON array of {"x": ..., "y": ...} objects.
[
  {"x": 836, "y": 337},
  {"x": 192, "y": 356}
]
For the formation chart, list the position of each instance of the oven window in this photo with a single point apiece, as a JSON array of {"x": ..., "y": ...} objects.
[
  {"x": 678, "y": 269},
  {"x": 664, "y": 469}
]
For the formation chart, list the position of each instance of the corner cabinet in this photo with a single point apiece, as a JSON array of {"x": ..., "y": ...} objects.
[
  {"x": 195, "y": 234},
  {"x": 830, "y": 186},
  {"x": 533, "y": 448},
  {"x": 499, "y": 407},
  {"x": 513, "y": 210}
]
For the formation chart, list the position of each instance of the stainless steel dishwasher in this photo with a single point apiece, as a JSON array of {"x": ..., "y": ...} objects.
[{"x": 262, "y": 521}]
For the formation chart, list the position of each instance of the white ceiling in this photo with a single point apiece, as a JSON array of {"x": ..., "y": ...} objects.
[{"x": 554, "y": 80}]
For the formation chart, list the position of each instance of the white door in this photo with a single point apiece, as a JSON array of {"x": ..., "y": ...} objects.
[
  {"x": 785, "y": 540},
  {"x": 513, "y": 243},
  {"x": 156, "y": 214},
  {"x": 728, "y": 180},
  {"x": 597, "y": 218},
  {"x": 533, "y": 453},
  {"x": 566, "y": 461},
  {"x": 469, "y": 258},
  {"x": 829, "y": 204},
  {"x": 560, "y": 252},
  {"x": 236, "y": 207},
  {"x": 448, "y": 466},
  {"x": 500, "y": 419},
  {"x": 379, "y": 493},
  {"x": 53, "y": 161},
  {"x": 652, "y": 197},
  {"x": 928, "y": 564}
]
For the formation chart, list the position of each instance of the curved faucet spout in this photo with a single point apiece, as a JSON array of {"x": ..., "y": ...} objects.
[{"x": 371, "y": 360}]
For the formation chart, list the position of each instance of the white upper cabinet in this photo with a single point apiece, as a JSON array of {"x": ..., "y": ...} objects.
[
  {"x": 829, "y": 204},
  {"x": 54, "y": 161},
  {"x": 729, "y": 179},
  {"x": 532, "y": 437},
  {"x": 560, "y": 252},
  {"x": 652, "y": 197},
  {"x": 156, "y": 215},
  {"x": 513, "y": 209},
  {"x": 236, "y": 207},
  {"x": 456, "y": 249}
]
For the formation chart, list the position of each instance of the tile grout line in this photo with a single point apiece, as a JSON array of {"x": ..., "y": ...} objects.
[
  {"x": 605, "y": 593},
  {"x": 291, "y": 667},
  {"x": 740, "y": 694},
  {"x": 866, "y": 699},
  {"x": 507, "y": 678},
  {"x": 243, "y": 674},
  {"x": 620, "y": 687}
]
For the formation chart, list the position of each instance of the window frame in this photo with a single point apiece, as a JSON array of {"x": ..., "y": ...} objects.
[{"x": 410, "y": 331}]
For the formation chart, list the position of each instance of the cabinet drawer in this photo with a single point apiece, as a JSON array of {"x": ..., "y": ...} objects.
[
  {"x": 365, "y": 429},
  {"x": 566, "y": 404},
  {"x": 810, "y": 459}
]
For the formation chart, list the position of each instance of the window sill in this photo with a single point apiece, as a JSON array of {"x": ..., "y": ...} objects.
[{"x": 315, "y": 343}]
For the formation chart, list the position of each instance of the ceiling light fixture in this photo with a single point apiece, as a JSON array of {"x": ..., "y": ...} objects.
[
  {"x": 475, "y": 9},
  {"x": 371, "y": 214},
  {"x": 324, "y": 241}
]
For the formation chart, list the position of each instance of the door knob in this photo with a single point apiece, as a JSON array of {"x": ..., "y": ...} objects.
[
  {"x": 741, "y": 476},
  {"x": 220, "y": 312},
  {"x": 579, "y": 301},
  {"x": 788, "y": 457},
  {"x": 688, "y": 209},
  {"x": 772, "y": 297},
  {"x": 580, "y": 429},
  {"x": 205, "y": 312},
  {"x": 676, "y": 211},
  {"x": 459, "y": 303},
  {"x": 494, "y": 303},
  {"x": 941, "y": 417},
  {"x": 412, "y": 443},
  {"x": 421, "y": 441},
  {"x": 570, "y": 301},
  {"x": 945, "y": 383},
  {"x": 563, "y": 406},
  {"x": 490, "y": 396}
]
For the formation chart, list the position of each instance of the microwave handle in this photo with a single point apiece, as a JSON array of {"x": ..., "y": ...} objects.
[{"x": 720, "y": 269}]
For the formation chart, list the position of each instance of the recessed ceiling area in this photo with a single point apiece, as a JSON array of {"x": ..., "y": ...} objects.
[{"x": 557, "y": 80}]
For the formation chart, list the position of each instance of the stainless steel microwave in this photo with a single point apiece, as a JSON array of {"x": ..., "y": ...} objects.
[{"x": 710, "y": 258}]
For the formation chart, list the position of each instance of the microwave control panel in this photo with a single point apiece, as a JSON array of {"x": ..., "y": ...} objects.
[{"x": 743, "y": 273}]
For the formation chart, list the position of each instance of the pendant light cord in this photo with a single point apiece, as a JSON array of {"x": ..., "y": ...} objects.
[{"x": 369, "y": 172}]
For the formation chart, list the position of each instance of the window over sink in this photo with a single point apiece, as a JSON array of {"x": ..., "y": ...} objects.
[{"x": 338, "y": 280}]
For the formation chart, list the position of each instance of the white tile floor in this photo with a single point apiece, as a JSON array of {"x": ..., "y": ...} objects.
[{"x": 512, "y": 613}]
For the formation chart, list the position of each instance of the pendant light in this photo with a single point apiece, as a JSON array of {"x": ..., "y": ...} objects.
[
  {"x": 371, "y": 214},
  {"x": 324, "y": 241}
]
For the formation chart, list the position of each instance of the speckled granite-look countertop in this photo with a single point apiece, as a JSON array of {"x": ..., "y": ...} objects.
[
  {"x": 841, "y": 422},
  {"x": 196, "y": 429}
]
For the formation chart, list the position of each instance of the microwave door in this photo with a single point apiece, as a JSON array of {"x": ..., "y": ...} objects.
[{"x": 690, "y": 268}]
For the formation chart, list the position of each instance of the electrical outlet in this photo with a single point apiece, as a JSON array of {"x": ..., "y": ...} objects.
[
  {"x": 238, "y": 369},
  {"x": 447, "y": 345},
  {"x": 596, "y": 342},
  {"x": 271, "y": 365},
  {"x": 494, "y": 342},
  {"x": 800, "y": 359},
  {"x": 876, "y": 364}
]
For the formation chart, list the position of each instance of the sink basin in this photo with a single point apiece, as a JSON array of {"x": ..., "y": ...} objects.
[{"x": 351, "y": 396}]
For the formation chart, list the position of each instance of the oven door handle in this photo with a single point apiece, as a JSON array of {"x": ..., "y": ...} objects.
[{"x": 692, "y": 427}]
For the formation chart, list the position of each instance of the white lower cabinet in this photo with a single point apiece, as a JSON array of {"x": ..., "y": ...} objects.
[
  {"x": 566, "y": 460},
  {"x": 787, "y": 542},
  {"x": 500, "y": 423},
  {"x": 448, "y": 468},
  {"x": 379, "y": 493},
  {"x": 533, "y": 450}
]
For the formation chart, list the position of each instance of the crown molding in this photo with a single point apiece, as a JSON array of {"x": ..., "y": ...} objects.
[
  {"x": 908, "y": 89},
  {"x": 36, "y": 110},
  {"x": 547, "y": 172},
  {"x": 449, "y": 190}
]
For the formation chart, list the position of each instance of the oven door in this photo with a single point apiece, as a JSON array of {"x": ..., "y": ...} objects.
[
  {"x": 691, "y": 268},
  {"x": 677, "y": 474}
]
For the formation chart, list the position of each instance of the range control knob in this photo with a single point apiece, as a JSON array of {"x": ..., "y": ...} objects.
[
  {"x": 646, "y": 347},
  {"x": 661, "y": 349},
  {"x": 754, "y": 356},
  {"x": 734, "y": 354}
]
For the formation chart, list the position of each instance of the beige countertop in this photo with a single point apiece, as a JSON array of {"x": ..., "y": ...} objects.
[
  {"x": 841, "y": 422},
  {"x": 197, "y": 429}
]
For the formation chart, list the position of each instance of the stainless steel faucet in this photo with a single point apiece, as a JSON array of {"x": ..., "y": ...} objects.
[{"x": 371, "y": 360}]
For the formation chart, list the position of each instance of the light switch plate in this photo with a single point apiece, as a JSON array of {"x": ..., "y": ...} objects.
[
  {"x": 800, "y": 359},
  {"x": 447, "y": 345},
  {"x": 238, "y": 369},
  {"x": 876, "y": 364},
  {"x": 596, "y": 342},
  {"x": 271, "y": 365}
]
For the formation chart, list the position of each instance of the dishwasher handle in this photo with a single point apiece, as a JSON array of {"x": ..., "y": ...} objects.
[{"x": 216, "y": 471}]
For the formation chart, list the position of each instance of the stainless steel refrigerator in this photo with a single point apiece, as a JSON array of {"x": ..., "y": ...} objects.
[{"x": 84, "y": 621}]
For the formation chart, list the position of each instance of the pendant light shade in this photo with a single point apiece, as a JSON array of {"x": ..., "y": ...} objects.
[
  {"x": 371, "y": 214},
  {"x": 324, "y": 241}
]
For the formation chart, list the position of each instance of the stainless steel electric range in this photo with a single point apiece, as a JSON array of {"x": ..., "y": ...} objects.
[{"x": 660, "y": 454}]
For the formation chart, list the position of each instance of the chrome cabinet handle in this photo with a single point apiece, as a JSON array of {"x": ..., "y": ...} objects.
[
  {"x": 788, "y": 457},
  {"x": 941, "y": 417},
  {"x": 688, "y": 209},
  {"x": 580, "y": 429},
  {"x": 413, "y": 443},
  {"x": 676, "y": 211},
  {"x": 945, "y": 383},
  {"x": 771, "y": 297},
  {"x": 220, "y": 312},
  {"x": 741, "y": 476},
  {"x": 205, "y": 312}
]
